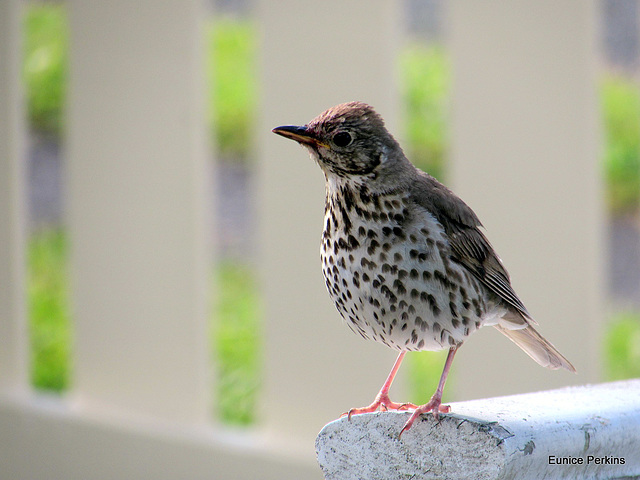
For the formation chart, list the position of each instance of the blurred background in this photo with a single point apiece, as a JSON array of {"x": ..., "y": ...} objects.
[{"x": 233, "y": 56}]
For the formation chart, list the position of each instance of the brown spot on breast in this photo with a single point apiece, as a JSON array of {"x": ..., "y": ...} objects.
[
  {"x": 433, "y": 304},
  {"x": 386, "y": 291},
  {"x": 352, "y": 242},
  {"x": 398, "y": 232},
  {"x": 399, "y": 287},
  {"x": 373, "y": 245},
  {"x": 476, "y": 306}
]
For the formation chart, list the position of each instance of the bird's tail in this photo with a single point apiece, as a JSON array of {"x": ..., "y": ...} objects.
[{"x": 537, "y": 347}]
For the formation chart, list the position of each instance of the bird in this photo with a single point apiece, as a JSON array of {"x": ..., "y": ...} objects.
[{"x": 404, "y": 259}]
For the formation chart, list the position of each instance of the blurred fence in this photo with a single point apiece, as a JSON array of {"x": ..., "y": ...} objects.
[{"x": 525, "y": 146}]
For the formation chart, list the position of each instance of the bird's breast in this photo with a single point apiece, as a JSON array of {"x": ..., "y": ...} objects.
[{"x": 387, "y": 268}]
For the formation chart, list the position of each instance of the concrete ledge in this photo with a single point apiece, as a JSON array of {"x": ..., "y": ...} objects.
[{"x": 578, "y": 432}]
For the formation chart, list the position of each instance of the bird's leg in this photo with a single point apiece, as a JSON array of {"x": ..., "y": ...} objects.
[
  {"x": 434, "y": 404},
  {"x": 382, "y": 400}
]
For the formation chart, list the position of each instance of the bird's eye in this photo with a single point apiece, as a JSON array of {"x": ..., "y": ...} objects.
[{"x": 342, "y": 139}]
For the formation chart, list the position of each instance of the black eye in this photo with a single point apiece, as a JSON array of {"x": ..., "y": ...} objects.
[{"x": 342, "y": 139}]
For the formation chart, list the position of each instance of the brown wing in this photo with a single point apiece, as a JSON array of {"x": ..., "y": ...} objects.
[{"x": 469, "y": 246}]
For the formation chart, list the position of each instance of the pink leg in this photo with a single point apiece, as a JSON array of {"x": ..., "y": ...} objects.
[
  {"x": 434, "y": 404},
  {"x": 382, "y": 400}
]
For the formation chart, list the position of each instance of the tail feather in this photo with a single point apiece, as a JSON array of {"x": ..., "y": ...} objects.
[{"x": 537, "y": 347}]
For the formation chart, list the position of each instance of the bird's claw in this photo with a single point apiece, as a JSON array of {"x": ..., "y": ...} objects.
[
  {"x": 381, "y": 402},
  {"x": 434, "y": 406}
]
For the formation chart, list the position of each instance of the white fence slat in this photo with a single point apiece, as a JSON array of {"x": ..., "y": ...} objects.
[
  {"x": 314, "y": 55},
  {"x": 137, "y": 184},
  {"x": 525, "y": 157},
  {"x": 13, "y": 355}
]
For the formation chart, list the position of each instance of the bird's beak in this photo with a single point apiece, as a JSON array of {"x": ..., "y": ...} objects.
[{"x": 299, "y": 134}]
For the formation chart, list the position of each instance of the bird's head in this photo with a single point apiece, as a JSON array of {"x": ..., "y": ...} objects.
[{"x": 348, "y": 140}]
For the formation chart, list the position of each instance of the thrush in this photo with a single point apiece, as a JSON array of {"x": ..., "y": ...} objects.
[{"x": 403, "y": 258}]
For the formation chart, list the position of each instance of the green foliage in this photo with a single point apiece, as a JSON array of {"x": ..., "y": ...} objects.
[
  {"x": 424, "y": 370},
  {"x": 231, "y": 72},
  {"x": 620, "y": 99},
  {"x": 49, "y": 318},
  {"x": 236, "y": 334},
  {"x": 622, "y": 347},
  {"x": 425, "y": 83},
  {"x": 45, "y": 65},
  {"x": 235, "y": 328},
  {"x": 230, "y": 67}
]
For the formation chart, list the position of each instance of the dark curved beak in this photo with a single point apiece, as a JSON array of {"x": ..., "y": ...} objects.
[{"x": 299, "y": 134}]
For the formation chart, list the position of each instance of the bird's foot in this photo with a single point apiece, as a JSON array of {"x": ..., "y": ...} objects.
[
  {"x": 435, "y": 406},
  {"x": 382, "y": 402}
]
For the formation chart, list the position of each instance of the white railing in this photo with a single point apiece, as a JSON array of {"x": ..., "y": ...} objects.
[
  {"x": 576, "y": 432},
  {"x": 524, "y": 154}
]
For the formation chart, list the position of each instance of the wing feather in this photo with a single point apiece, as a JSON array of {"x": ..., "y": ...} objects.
[{"x": 469, "y": 246}]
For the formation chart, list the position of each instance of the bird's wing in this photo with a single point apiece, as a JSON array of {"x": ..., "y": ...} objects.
[{"x": 469, "y": 246}]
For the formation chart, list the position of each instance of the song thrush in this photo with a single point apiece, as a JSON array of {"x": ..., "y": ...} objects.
[{"x": 404, "y": 259}]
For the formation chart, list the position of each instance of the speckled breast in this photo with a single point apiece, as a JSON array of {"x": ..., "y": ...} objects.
[{"x": 387, "y": 267}]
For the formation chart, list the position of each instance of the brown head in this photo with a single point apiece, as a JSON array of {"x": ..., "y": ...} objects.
[{"x": 348, "y": 140}]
